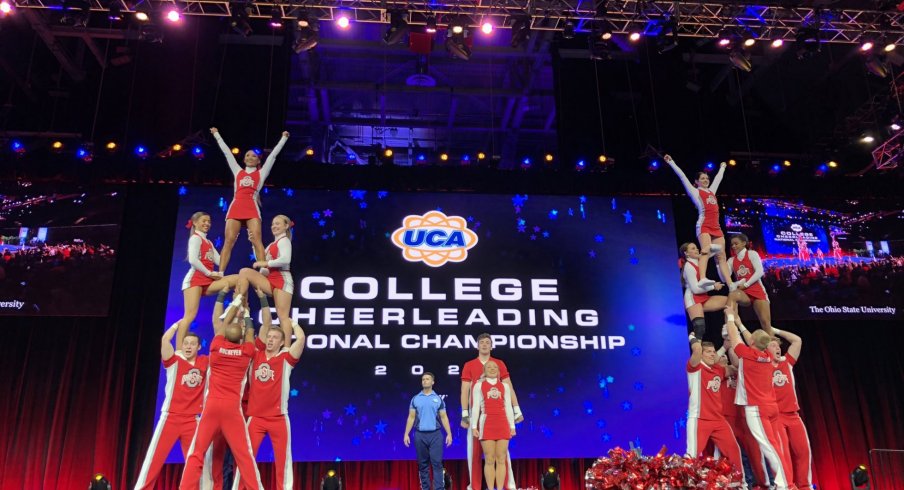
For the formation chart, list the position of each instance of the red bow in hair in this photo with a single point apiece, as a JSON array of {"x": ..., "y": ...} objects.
[
  {"x": 188, "y": 224},
  {"x": 681, "y": 263},
  {"x": 291, "y": 224}
]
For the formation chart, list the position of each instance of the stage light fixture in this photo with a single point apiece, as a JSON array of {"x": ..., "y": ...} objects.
[
  {"x": 634, "y": 36},
  {"x": 808, "y": 38},
  {"x": 398, "y": 27},
  {"x": 465, "y": 161},
  {"x": 111, "y": 146},
  {"x": 550, "y": 479},
  {"x": 821, "y": 170},
  {"x": 173, "y": 15},
  {"x": 343, "y": 18},
  {"x": 860, "y": 477},
  {"x": 833, "y": 164},
  {"x": 740, "y": 60},
  {"x": 667, "y": 39},
  {"x": 724, "y": 41},
  {"x": 309, "y": 152},
  {"x": 306, "y": 34},
  {"x": 549, "y": 157},
  {"x": 235, "y": 150},
  {"x": 486, "y": 27},
  {"x": 57, "y": 145},
  {"x": 481, "y": 155},
  {"x": 444, "y": 156},
  {"x": 733, "y": 162},
  {"x": 653, "y": 166},
  {"x": 889, "y": 47},
  {"x": 114, "y": 11},
  {"x": 142, "y": 16},
  {"x": 777, "y": 43},
  {"x": 276, "y": 21},
  {"x": 525, "y": 163},
  {"x": 775, "y": 169},
  {"x": 150, "y": 33},
  {"x": 141, "y": 152},
  {"x": 331, "y": 481},
  {"x": 709, "y": 166},
  {"x": 198, "y": 153},
  {"x": 5, "y": 7},
  {"x": 598, "y": 43},
  {"x": 239, "y": 13},
  {"x": 602, "y": 159},
  {"x": 85, "y": 153},
  {"x": 76, "y": 13},
  {"x": 580, "y": 166},
  {"x": 99, "y": 482},
  {"x": 431, "y": 24},
  {"x": 177, "y": 147},
  {"x": 895, "y": 126},
  {"x": 387, "y": 153},
  {"x": 866, "y": 45},
  {"x": 421, "y": 159},
  {"x": 520, "y": 30},
  {"x": 749, "y": 41},
  {"x": 786, "y": 163},
  {"x": 457, "y": 40},
  {"x": 568, "y": 30},
  {"x": 17, "y": 147}
]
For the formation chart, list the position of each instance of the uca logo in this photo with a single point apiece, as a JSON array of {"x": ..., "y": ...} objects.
[{"x": 434, "y": 238}]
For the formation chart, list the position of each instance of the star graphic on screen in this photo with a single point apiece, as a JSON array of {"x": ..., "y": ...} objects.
[
  {"x": 556, "y": 412},
  {"x": 321, "y": 223},
  {"x": 606, "y": 437},
  {"x": 289, "y": 192},
  {"x": 328, "y": 213},
  {"x": 589, "y": 411},
  {"x": 521, "y": 222},
  {"x": 601, "y": 424},
  {"x": 631, "y": 251},
  {"x": 682, "y": 423},
  {"x": 356, "y": 194},
  {"x": 339, "y": 420},
  {"x": 367, "y": 433},
  {"x": 517, "y": 209},
  {"x": 356, "y": 441},
  {"x": 560, "y": 389},
  {"x": 325, "y": 236},
  {"x": 350, "y": 409},
  {"x": 293, "y": 392},
  {"x": 570, "y": 212},
  {"x": 614, "y": 205},
  {"x": 626, "y": 405},
  {"x": 631, "y": 327},
  {"x": 519, "y": 200},
  {"x": 182, "y": 190},
  {"x": 476, "y": 225},
  {"x": 545, "y": 234},
  {"x": 638, "y": 386},
  {"x": 315, "y": 215},
  {"x": 382, "y": 194},
  {"x": 536, "y": 229},
  {"x": 610, "y": 379},
  {"x": 362, "y": 205},
  {"x": 326, "y": 414},
  {"x": 521, "y": 228},
  {"x": 470, "y": 219},
  {"x": 598, "y": 238},
  {"x": 635, "y": 351},
  {"x": 628, "y": 217},
  {"x": 634, "y": 260},
  {"x": 602, "y": 383},
  {"x": 592, "y": 254},
  {"x": 533, "y": 237},
  {"x": 583, "y": 199},
  {"x": 554, "y": 214},
  {"x": 380, "y": 427}
]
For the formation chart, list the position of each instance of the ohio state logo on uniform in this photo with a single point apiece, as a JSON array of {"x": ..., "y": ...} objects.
[
  {"x": 743, "y": 271},
  {"x": 192, "y": 378},
  {"x": 209, "y": 255},
  {"x": 246, "y": 181},
  {"x": 710, "y": 199},
  {"x": 494, "y": 393},
  {"x": 264, "y": 373},
  {"x": 714, "y": 384},
  {"x": 778, "y": 378}
]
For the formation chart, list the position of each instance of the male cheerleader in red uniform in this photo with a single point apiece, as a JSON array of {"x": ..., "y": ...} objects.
[
  {"x": 229, "y": 361},
  {"x": 277, "y": 281},
  {"x": 791, "y": 427},
  {"x": 245, "y": 210},
  {"x": 493, "y": 423},
  {"x": 705, "y": 420},
  {"x": 756, "y": 395},
  {"x": 709, "y": 233},
  {"x": 185, "y": 374},
  {"x": 748, "y": 289},
  {"x": 471, "y": 372},
  {"x": 268, "y": 400}
]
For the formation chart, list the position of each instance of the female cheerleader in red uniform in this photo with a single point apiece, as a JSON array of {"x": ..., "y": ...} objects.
[
  {"x": 749, "y": 290},
  {"x": 696, "y": 301},
  {"x": 278, "y": 281},
  {"x": 201, "y": 280},
  {"x": 709, "y": 234},
  {"x": 245, "y": 208},
  {"x": 493, "y": 420}
]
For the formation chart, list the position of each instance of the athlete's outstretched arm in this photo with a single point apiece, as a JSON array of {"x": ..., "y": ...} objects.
[
  {"x": 688, "y": 187},
  {"x": 271, "y": 158},
  {"x": 696, "y": 351},
  {"x": 227, "y": 152},
  {"x": 166, "y": 342},
  {"x": 718, "y": 178},
  {"x": 297, "y": 346}
]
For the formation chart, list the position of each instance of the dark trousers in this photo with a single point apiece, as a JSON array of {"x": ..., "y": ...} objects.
[{"x": 429, "y": 447}]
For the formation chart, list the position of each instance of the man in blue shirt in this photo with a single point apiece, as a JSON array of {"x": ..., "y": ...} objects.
[{"x": 426, "y": 411}]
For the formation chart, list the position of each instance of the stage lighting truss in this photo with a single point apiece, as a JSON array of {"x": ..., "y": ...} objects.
[{"x": 696, "y": 19}]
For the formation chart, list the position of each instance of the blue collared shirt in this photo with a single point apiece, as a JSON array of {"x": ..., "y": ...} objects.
[{"x": 428, "y": 408}]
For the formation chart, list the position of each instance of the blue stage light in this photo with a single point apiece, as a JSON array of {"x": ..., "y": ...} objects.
[
  {"x": 710, "y": 166},
  {"x": 421, "y": 158},
  {"x": 141, "y": 151},
  {"x": 17, "y": 146}
]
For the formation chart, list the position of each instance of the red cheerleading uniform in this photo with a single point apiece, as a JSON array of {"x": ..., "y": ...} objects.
[
  {"x": 268, "y": 408},
  {"x": 748, "y": 268},
  {"x": 178, "y": 414},
  {"x": 694, "y": 294},
  {"x": 472, "y": 372},
  {"x": 735, "y": 417},
  {"x": 492, "y": 411},
  {"x": 202, "y": 256},
  {"x": 791, "y": 427},
  {"x": 704, "y": 414},
  {"x": 248, "y": 182},
  {"x": 279, "y": 258},
  {"x": 704, "y": 200},
  {"x": 756, "y": 394},
  {"x": 223, "y": 414}
]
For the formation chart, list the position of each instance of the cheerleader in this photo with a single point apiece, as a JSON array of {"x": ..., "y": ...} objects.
[
  {"x": 696, "y": 301},
  {"x": 276, "y": 280},
  {"x": 748, "y": 269},
  {"x": 493, "y": 422},
  {"x": 709, "y": 234},
  {"x": 245, "y": 207},
  {"x": 201, "y": 280}
]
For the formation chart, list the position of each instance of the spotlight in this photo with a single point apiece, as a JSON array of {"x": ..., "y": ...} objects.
[
  {"x": 276, "y": 18},
  {"x": 550, "y": 479},
  {"x": 821, "y": 170},
  {"x": 198, "y": 153},
  {"x": 733, "y": 162},
  {"x": 457, "y": 40},
  {"x": 602, "y": 159},
  {"x": 740, "y": 60},
  {"x": 867, "y": 139},
  {"x": 17, "y": 147},
  {"x": 749, "y": 41},
  {"x": 306, "y": 33},
  {"x": 431, "y": 23},
  {"x": 99, "y": 482},
  {"x": 833, "y": 164},
  {"x": 486, "y": 27},
  {"x": 309, "y": 152},
  {"x": 895, "y": 126},
  {"x": 387, "y": 153},
  {"x": 634, "y": 36},
  {"x": 481, "y": 155},
  {"x": 331, "y": 481},
  {"x": 653, "y": 166},
  {"x": 111, "y": 146},
  {"x": 889, "y": 47},
  {"x": 235, "y": 150},
  {"x": 444, "y": 156},
  {"x": 775, "y": 169},
  {"x": 777, "y": 43},
  {"x": 457, "y": 29},
  {"x": 398, "y": 27},
  {"x": 142, "y": 16},
  {"x": 709, "y": 167},
  {"x": 351, "y": 158},
  {"x": 57, "y": 145},
  {"x": 525, "y": 164},
  {"x": 465, "y": 161},
  {"x": 860, "y": 477},
  {"x": 549, "y": 157},
  {"x": 568, "y": 30},
  {"x": 580, "y": 166},
  {"x": 421, "y": 159},
  {"x": 85, "y": 153},
  {"x": 866, "y": 45},
  {"x": 787, "y": 163},
  {"x": 5, "y": 7},
  {"x": 238, "y": 18},
  {"x": 343, "y": 20},
  {"x": 114, "y": 11},
  {"x": 177, "y": 147},
  {"x": 141, "y": 152},
  {"x": 173, "y": 15},
  {"x": 520, "y": 30}
]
